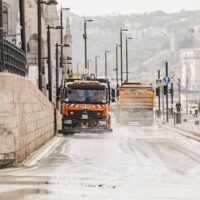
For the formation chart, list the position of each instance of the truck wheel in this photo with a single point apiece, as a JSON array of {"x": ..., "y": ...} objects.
[{"x": 69, "y": 133}]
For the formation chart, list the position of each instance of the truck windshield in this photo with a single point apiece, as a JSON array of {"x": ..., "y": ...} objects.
[
  {"x": 129, "y": 89},
  {"x": 86, "y": 96}
]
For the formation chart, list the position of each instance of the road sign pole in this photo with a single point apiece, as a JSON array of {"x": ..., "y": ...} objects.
[
  {"x": 159, "y": 110},
  {"x": 163, "y": 105},
  {"x": 167, "y": 103},
  {"x": 179, "y": 90},
  {"x": 172, "y": 98}
]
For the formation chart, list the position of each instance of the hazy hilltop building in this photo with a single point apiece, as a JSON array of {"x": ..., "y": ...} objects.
[
  {"x": 190, "y": 59},
  {"x": 68, "y": 51}
]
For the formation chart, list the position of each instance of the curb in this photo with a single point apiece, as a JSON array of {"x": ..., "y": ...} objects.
[{"x": 183, "y": 132}]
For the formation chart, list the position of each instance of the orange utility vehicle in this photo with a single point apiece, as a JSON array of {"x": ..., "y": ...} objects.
[
  {"x": 86, "y": 106},
  {"x": 135, "y": 103}
]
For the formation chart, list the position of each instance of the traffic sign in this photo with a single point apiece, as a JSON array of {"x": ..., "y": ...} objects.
[
  {"x": 171, "y": 74},
  {"x": 173, "y": 80},
  {"x": 166, "y": 80},
  {"x": 158, "y": 82}
]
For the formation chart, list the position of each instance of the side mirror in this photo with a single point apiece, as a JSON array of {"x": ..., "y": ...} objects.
[
  {"x": 58, "y": 91},
  {"x": 117, "y": 92},
  {"x": 113, "y": 95}
]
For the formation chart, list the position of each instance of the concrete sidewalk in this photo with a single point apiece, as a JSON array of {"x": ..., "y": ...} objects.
[{"x": 187, "y": 127}]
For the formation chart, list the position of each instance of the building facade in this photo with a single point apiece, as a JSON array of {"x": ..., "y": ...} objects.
[
  {"x": 50, "y": 16},
  {"x": 190, "y": 79}
]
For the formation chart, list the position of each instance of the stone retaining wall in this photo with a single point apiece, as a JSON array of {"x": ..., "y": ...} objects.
[{"x": 27, "y": 119}]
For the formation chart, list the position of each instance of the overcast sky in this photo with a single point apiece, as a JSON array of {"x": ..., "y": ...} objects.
[{"x": 103, "y": 7}]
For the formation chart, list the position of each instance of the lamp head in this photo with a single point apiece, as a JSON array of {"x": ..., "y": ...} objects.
[
  {"x": 52, "y": 2},
  {"x": 66, "y": 45},
  {"x": 88, "y": 20},
  {"x": 58, "y": 27},
  {"x": 69, "y": 58},
  {"x": 66, "y": 8}
]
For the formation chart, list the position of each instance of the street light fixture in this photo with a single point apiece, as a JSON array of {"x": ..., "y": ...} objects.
[
  {"x": 88, "y": 63},
  {"x": 77, "y": 68},
  {"x": 127, "y": 70},
  {"x": 2, "y": 67},
  {"x": 121, "y": 45},
  {"x": 39, "y": 15},
  {"x": 22, "y": 24},
  {"x": 117, "y": 67},
  {"x": 96, "y": 72},
  {"x": 49, "y": 60},
  {"x": 85, "y": 38},
  {"x": 106, "y": 68},
  {"x": 61, "y": 34}
]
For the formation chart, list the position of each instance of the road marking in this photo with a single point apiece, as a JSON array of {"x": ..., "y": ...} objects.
[{"x": 43, "y": 152}]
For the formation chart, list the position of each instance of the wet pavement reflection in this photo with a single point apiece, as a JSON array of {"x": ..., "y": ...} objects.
[{"x": 134, "y": 162}]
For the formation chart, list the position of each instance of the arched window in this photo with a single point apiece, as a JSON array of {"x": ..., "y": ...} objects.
[
  {"x": 5, "y": 19},
  {"x": 32, "y": 49}
]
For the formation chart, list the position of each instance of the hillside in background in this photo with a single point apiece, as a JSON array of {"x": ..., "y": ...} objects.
[{"x": 157, "y": 37}]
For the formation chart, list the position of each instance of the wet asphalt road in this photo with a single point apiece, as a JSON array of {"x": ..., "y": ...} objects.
[{"x": 134, "y": 162}]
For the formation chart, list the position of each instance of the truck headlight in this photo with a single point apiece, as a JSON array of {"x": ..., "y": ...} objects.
[
  {"x": 102, "y": 123},
  {"x": 68, "y": 121}
]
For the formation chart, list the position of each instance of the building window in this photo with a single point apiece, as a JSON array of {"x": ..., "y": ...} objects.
[
  {"x": 32, "y": 50},
  {"x": 5, "y": 19}
]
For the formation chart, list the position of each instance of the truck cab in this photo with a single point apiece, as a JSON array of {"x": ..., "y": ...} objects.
[{"x": 85, "y": 107}]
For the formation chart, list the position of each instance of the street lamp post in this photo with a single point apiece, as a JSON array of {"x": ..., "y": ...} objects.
[
  {"x": 61, "y": 34},
  {"x": 85, "y": 38},
  {"x": 121, "y": 45},
  {"x": 96, "y": 72},
  {"x": 77, "y": 68},
  {"x": 39, "y": 16},
  {"x": 88, "y": 64},
  {"x": 22, "y": 24},
  {"x": 57, "y": 72},
  {"x": 117, "y": 68},
  {"x": 57, "y": 77},
  {"x": 49, "y": 59},
  {"x": 106, "y": 67},
  {"x": 1, "y": 38},
  {"x": 127, "y": 70}
]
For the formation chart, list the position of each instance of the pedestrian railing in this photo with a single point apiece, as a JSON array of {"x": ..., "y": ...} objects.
[{"x": 14, "y": 59}]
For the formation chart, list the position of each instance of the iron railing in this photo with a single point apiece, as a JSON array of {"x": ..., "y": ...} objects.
[{"x": 14, "y": 59}]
